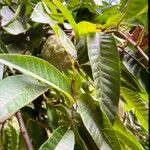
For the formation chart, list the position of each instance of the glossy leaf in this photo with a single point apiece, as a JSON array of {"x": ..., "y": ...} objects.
[
  {"x": 38, "y": 14},
  {"x": 62, "y": 138},
  {"x": 39, "y": 69},
  {"x": 129, "y": 81},
  {"x": 126, "y": 136},
  {"x": 97, "y": 124},
  {"x": 22, "y": 90},
  {"x": 16, "y": 27},
  {"x": 86, "y": 137},
  {"x": 79, "y": 143},
  {"x": 104, "y": 60},
  {"x": 6, "y": 14},
  {"x": 140, "y": 107},
  {"x": 137, "y": 69}
]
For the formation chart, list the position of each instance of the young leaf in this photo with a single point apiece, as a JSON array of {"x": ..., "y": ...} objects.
[
  {"x": 85, "y": 27},
  {"x": 50, "y": 6},
  {"x": 67, "y": 15},
  {"x": 39, "y": 69},
  {"x": 97, "y": 124},
  {"x": 104, "y": 60},
  {"x": 62, "y": 138},
  {"x": 22, "y": 90},
  {"x": 140, "y": 108}
]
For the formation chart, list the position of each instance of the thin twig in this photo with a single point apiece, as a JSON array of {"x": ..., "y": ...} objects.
[
  {"x": 134, "y": 44},
  {"x": 24, "y": 131}
]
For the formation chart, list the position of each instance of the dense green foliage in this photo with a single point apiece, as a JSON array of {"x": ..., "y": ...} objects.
[{"x": 78, "y": 72}]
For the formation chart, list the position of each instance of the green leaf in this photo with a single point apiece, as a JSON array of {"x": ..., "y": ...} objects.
[
  {"x": 92, "y": 5},
  {"x": 50, "y": 6},
  {"x": 22, "y": 90},
  {"x": 136, "y": 68},
  {"x": 35, "y": 128},
  {"x": 1, "y": 71},
  {"x": 144, "y": 96},
  {"x": 3, "y": 48},
  {"x": 123, "y": 5},
  {"x": 15, "y": 28},
  {"x": 52, "y": 116},
  {"x": 97, "y": 124},
  {"x": 11, "y": 136},
  {"x": 74, "y": 4},
  {"x": 104, "y": 60},
  {"x": 62, "y": 138},
  {"x": 134, "y": 8},
  {"x": 39, "y": 69},
  {"x": 86, "y": 137},
  {"x": 85, "y": 27},
  {"x": 36, "y": 132},
  {"x": 108, "y": 12},
  {"x": 6, "y": 14},
  {"x": 79, "y": 143},
  {"x": 113, "y": 20},
  {"x": 140, "y": 107},
  {"x": 68, "y": 16},
  {"x": 128, "y": 80},
  {"x": 125, "y": 136}
]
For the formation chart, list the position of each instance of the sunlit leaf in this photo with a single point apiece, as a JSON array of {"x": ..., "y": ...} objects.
[
  {"x": 85, "y": 27},
  {"x": 140, "y": 107},
  {"x": 125, "y": 136}
]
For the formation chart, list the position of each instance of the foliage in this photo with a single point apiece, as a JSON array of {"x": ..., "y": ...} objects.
[{"x": 77, "y": 70}]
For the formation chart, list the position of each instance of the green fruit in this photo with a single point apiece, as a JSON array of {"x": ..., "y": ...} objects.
[{"x": 55, "y": 52}]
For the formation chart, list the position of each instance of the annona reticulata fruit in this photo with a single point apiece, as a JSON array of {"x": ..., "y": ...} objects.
[{"x": 59, "y": 53}]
